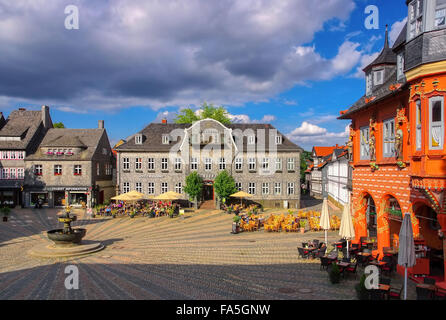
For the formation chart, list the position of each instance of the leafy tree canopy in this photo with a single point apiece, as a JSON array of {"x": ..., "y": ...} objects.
[
  {"x": 224, "y": 185},
  {"x": 306, "y": 155},
  {"x": 59, "y": 125},
  {"x": 194, "y": 185},
  {"x": 206, "y": 111}
]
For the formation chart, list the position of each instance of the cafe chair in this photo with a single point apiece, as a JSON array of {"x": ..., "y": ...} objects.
[
  {"x": 395, "y": 293},
  {"x": 325, "y": 263},
  {"x": 424, "y": 294},
  {"x": 428, "y": 280},
  {"x": 304, "y": 254},
  {"x": 388, "y": 267},
  {"x": 351, "y": 269}
]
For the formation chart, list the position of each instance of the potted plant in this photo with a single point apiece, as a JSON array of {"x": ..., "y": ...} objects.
[
  {"x": 361, "y": 290},
  {"x": 335, "y": 274},
  {"x": 235, "y": 224},
  {"x": 303, "y": 224},
  {"x": 5, "y": 211}
]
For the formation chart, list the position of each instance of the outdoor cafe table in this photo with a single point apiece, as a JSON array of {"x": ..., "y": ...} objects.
[
  {"x": 343, "y": 264},
  {"x": 364, "y": 254},
  {"x": 428, "y": 286},
  {"x": 378, "y": 263}
]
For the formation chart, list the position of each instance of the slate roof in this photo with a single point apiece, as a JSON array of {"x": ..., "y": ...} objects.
[
  {"x": 22, "y": 123},
  {"x": 87, "y": 139},
  {"x": 152, "y": 137},
  {"x": 379, "y": 93},
  {"x": 387, "y": 56},
  {"x": 401, "y": 38}
]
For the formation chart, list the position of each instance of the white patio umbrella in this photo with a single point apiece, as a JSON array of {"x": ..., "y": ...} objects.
[
  {"x": 406, "y": 252},
  {"x": 347, "y": 231},
  {"x": 325, "y": 219}
]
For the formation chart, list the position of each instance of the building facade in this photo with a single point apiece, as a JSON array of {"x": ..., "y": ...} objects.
[
  {"x": 20, "y": 135},
  {"x": 70, "y": 167},
  {"x": 262, "y": 161},
  {"x": 319, "y": 176},
  {"x": 338, "y": 177},
  {"x": 397, "y": 137}
]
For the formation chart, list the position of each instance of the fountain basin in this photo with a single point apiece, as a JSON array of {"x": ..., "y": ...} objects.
[{"x": 60, "y": 238}]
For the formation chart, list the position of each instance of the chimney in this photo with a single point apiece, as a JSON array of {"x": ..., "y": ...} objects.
[
  {"x": 22, "y": 109},
  {"x": 164, "y": 121},
  {"x": 46, "y": 117},
  {"x": 101, "y": 124},
  {"x": 337, "y": 146}
]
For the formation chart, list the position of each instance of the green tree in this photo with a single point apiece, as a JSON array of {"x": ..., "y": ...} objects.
[
  {"x": 224, "y": 185},
  {"x": 194, "y": 187},
  {"x": 59, "y": 125},
  {"x": 206, "y": 111},
  {"x": 306, "y": 155}
]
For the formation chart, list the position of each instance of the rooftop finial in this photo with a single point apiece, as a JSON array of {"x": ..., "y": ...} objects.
[{"x": 386, "y": 43}]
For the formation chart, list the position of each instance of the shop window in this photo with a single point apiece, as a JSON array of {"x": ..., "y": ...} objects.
[{"x": 436, "y": 131}]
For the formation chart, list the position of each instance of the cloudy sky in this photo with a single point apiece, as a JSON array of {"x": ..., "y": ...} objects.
[{"x": 292, "y": 63}]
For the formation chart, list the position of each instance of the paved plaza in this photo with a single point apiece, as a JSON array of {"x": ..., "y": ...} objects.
[{"x": 162, "y": 258}]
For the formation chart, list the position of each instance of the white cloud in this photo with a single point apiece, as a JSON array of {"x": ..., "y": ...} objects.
[
  {"x": 309, "y": 135},
  {"x": 395, "y": 30},
  {"x": 244, "y": 118}
]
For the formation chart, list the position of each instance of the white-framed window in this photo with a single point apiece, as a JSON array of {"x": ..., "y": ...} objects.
[
  {"x": 400, "y": 65},
  {"x": 238, "y": 164},
  {"x": 238, "y": 185},
  {"x": 265, "y": 163},
  {"x": 290, "y": 188},
  {"x": 108, "y": 169},
  {"x": 126, "y": 187},
  {"x": 364, "y": 143},
  {"x": 98, "y": 169},
  {"x": 166, "y": 139},
  {"x": 290, "y": 164},
  {"x": 277, "y": 188},
  {"x": 57, "y": 169},
  {"x": 251, "y": 188},
  {"x": 125, "y": 163},
  {"x": 5, "y": 173},
  {"x": 265, "y": 188},
  {"x": 177, "y": 164},
  {"x": 164, "y": 163},
  {"x": 440, "y": 14},
  {"x": 415, "y": 18},
  {"x": 208, "y": 164},
  {"x": 252, "y": 163},
  {"x": 278, "y": 164},
  {"x": 151, "y": 188},
  {"x": 222, "y": 164},
  {"x": 179, "y": 188},
  {"x": 138, "y": 139},
  {"x": 389, "y": 138},
  {"x": 4, "y": 155},
  {"x": 20, "y": 173},
  {"x": 12, "y": 173},
  {"x": 138, "y": 186},
  {"x": 436, "y": 127},
  {"x": 77, "y": 170},
  {"x": 378, "y": 77},
  {"x": 38, "y": 171},
  {"x": 369, "y": 84},
  {"x": 418, "y": 125},
  {"x": 138, "y": 164},
  {"x": 278, "y": 139},
  {"x": 194, "y": 163},
  {"x": 151, "y": 164},
  {"x": 251, "y": 139},
  {"x": 163, "y": 187}
]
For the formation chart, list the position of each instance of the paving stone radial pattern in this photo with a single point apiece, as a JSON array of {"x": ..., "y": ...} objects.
[{"x": 162, "y": 258}]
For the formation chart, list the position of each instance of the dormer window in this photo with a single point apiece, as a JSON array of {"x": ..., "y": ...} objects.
[
  {"x": 378, "y": 77},
  {"x": 369, "y": 84},
  {"x": 415, "y": 18},
  {"x": 440, "y": 14},
  {"x": 278, "y": 139},
  {"x": 138, "y": 139},
  {"x": 166, "y": 139},
  {"x": 400, "y": 66}
]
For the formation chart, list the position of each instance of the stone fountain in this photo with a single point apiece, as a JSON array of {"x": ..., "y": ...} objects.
[{"x": 66, "y": 242}]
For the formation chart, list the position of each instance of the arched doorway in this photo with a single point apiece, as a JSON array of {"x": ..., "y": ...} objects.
[
  {"x": 395, "y": 218},
  {"x": 429, "y": 227}
]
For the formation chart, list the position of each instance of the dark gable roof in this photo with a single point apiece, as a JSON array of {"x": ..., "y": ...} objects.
[
  {"x": 379, "y": 93},
  {"x": 152, "y": 137},
  {"x": 86, "y": 139},
  {"x": 387, "y": 56},
  {"x": 20, "y": 123}
]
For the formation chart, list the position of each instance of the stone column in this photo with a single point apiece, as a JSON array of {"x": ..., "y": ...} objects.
[
  {"x": 359, "y": 218},
  {"x": 383, "y": 230}
]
